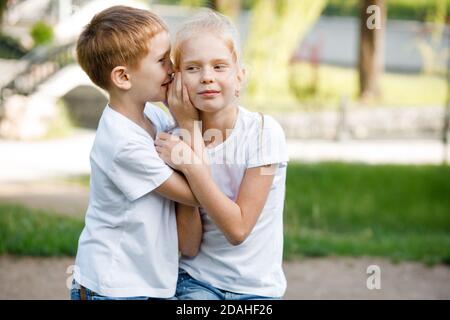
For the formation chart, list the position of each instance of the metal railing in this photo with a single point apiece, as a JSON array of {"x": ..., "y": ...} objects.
[{"x": 42, "y": 63}]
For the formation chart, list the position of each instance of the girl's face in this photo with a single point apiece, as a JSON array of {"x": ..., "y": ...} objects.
[{"x": 209, "y": 72}]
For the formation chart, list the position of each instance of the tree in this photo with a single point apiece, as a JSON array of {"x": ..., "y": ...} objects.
[
  {"x": 371, "y": 48},
  {"x": 277, "y": 28}
]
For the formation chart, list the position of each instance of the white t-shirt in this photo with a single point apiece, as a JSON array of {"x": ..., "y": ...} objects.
[
  {"x": 254, "y": 266},
  {"x": 129, "y": 244}
]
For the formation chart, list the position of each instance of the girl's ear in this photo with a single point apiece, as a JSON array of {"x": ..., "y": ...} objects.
[
  {"x": 121, "y": 78},
  {"x": 241, "y": 77}
]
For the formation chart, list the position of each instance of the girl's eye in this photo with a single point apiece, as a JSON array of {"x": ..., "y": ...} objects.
[
  {"x": 162, "y": 59},
  {"x": 191, "y": 68},
  {"x": 220, "y": 67}
]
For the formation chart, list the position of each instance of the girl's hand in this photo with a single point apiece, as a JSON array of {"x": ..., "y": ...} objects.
[
  {"x": 175, "y": 152},
  {"x": 179, "y": 104}
]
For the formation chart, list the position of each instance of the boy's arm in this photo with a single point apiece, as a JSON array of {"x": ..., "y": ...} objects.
[
  {"x": 189, "y": 228},
  {"x": 177, "y": 189}
]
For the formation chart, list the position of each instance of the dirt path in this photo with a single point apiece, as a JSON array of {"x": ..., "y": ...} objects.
[
  {"x": 65, "y": 198},
  {"x": 322, "y": 278}
]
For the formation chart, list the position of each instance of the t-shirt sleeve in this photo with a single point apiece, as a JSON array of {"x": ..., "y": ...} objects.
[
  {"x": 163, "y": 120},
  {"x": 267, "y": 144},
  {"x": 137, "y": 169}
]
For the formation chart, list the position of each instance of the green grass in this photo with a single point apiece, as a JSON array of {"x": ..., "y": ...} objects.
[
  {"x": 31, "y": 232},
  {"x": 394, "y": 211},
  {"x": 400, "y": 212},
  {"x": 337, "y": 82}
]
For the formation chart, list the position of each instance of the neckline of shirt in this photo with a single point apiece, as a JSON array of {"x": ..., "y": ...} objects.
[{"x": 135, "y": 125}]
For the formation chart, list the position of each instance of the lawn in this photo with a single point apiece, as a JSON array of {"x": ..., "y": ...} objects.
[
  {"x": 401, "y": 212},
  {"x": 394, "y": 211},
  {"x": 335, "y": 83}
]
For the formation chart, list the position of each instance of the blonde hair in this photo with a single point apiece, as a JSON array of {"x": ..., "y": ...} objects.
[
  {"x": 207, "y": 21},
  {"x": 116, "y": 36}
]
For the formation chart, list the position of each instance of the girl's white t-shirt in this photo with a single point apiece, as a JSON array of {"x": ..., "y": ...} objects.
[
  {"x": 129, "y": 244},
  {"x": 254, "y": 266}
]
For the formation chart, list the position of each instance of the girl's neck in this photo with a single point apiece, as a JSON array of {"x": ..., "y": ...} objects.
[{"x": 222, "y": 120}]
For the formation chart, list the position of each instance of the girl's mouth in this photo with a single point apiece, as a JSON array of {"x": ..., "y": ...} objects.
[{"x": 209, "y": 93}]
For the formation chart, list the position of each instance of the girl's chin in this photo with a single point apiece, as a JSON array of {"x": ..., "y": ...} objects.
[{"x": 207, "y": 107}]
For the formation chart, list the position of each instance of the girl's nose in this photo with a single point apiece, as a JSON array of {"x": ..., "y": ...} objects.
[{"x": 206, "y": 77}]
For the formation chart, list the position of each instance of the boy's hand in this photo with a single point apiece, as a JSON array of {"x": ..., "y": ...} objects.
[
  {"x": 179, "y": 104},
  {"x": 175, "y": 152}
]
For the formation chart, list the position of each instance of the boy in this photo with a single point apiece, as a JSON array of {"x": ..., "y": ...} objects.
[{"x": 128, "y": 248}]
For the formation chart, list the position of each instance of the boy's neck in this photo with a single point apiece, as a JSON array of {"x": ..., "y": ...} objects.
[
  {"x": 132, "y": 110},
  {"x": 127, "y": 107},
  {"x": 223, "y": 120}
]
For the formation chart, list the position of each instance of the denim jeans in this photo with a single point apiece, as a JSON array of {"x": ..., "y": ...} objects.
[
  {"x": 189, "y": 288},
  {"x": 75, "y": 294}
]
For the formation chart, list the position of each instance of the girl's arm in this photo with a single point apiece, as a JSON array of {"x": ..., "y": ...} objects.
[
  {"x": 235, "y": 219},
  {"x": 189, "y": 228}
]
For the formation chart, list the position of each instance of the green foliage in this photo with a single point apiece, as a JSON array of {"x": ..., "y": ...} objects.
[
  {"x": 401, "y": 212},
  {"x": 396, "y": 211},
  {"x": 276, "y": 29},
  {"x": 10, "y": 48},
  {"x": 192, "y": 3},
  {"x": 396, "y": 9},
  {"x": 42, "y": 33},
  {"x": 37, "y": 233}
]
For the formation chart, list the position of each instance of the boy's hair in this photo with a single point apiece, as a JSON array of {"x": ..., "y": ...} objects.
[
  {"x": 116, "y": 36},
  {"x": 207, "y": 21}
]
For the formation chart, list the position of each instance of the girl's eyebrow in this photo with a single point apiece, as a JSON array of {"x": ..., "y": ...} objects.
[{"x": 199, "y": 62}]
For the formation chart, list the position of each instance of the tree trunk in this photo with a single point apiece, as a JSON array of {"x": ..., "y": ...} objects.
[{"x": 371, "y": 48}]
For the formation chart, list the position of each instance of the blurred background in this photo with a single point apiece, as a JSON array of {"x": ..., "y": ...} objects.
[{"x": 361, "y": 88}]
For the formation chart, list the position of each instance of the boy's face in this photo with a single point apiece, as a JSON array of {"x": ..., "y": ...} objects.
[
  {"x": 209, "y": 72},
  {"x": 151, "y": 78}
]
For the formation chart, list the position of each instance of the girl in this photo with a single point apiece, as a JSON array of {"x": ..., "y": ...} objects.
[{"x": 241, "y": 190}]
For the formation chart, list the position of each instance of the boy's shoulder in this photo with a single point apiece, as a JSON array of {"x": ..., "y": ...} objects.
[{"x": 115, "y": 132}]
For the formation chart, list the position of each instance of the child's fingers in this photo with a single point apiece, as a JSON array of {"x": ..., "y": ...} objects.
[
  {"x": 186, "y": 100},
  {"x": 163, "y": 136},
  {"x": 178, "y": 86}
]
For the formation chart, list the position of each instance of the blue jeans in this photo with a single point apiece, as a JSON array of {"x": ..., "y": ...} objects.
[
  {"x": 75, "y": 294},
  {"x": 189, "y": 288}
]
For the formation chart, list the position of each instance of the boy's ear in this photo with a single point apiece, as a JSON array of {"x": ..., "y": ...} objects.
[{"x": 121, "y": 78}]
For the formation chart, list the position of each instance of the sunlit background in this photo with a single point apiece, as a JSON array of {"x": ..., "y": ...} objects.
[{"x": 365, "y": 110}]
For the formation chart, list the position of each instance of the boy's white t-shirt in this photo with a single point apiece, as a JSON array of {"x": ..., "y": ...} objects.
[
  {"x": 129, "y": 244},
  {"x": 254, "y": 266}
]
